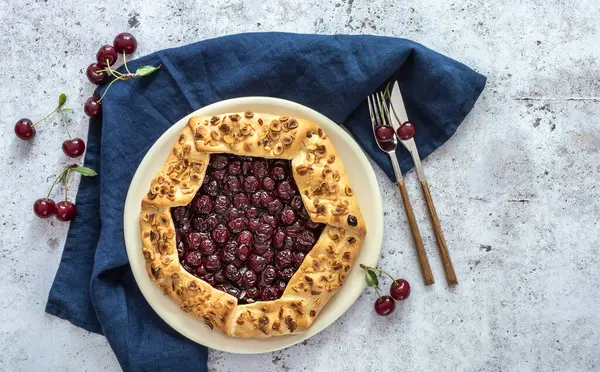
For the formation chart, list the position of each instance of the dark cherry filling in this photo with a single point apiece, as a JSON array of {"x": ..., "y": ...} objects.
[{"x": 246, "y": 231}]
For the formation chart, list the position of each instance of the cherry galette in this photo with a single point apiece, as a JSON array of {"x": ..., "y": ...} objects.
[{"x": 251, "y": 225}]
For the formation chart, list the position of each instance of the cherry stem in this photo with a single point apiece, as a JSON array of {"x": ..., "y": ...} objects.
[
  {"x": 62, "y": 117},
  {"x": 58, "y": 178},
  {"x": 125, "y": 63},
  {"x": 377, "y": 291},
  {"x": 45, "y": 117},
  {"x": 114, "y": 73},
  {"x": 68, "y": 170},
  {"x": 106, "y": 90},
  {"x": 364, "y": 267}
]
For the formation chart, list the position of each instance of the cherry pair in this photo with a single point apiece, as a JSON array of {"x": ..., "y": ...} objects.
[
  {"x": 385, "y": 133},
  {"x": 399, "y": 290}
]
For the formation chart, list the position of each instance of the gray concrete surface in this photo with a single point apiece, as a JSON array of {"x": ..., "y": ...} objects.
[{"x": 516, "y": 187}]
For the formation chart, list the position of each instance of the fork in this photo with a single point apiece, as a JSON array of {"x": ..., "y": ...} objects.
[{"x": 380, "y": 117}]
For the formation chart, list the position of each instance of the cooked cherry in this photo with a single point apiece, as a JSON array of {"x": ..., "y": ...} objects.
[
  {"x": 125, "y": 43},
  {"x": 406, "y": 130},
  {"x": 194, "y": 258},
  {"x": 269, "y": 294},
  {"x": 283, "y": 259},
  {"x": 221, "y": 204},
  {"x": 252, "y": 293},
  {"x": 65, "y": 211},
  {"x": 269, "y": 184},
  {"x": 268, "y": 275},
  {"x": 218, "y": 161},
  {"x": 235, "y": 292},
  {"x": 234, "y": 213},
  {"x": 202, "y": 204},
  {"x": 220, "y": 287},
  {"x": 250, "y": 184},
  {"x": 270, "y": 220},
  {"x": 178, "y": 213},
  {"x": 209, "y": 278},
  {"x": 288, "y": 216},
  {"x": 265, "y": 199},
  {"x": 201, "y": 271},
  {"x": 275, "y": 206},
  {"x": 289, "y": 243},
  {"x": 295, "y": 229},
  {"x": 107, "y": 55},
  {"x": 193, "y": 239},
  {"x": 279, "y": 238},
  {"x": 312, "y": 225},
  {"x": 385, "y": 305},
  {"x": 232, "y": 273},
  {"x": 260, "y": 248},
  {"x": 220, "y": 276},
  {"x": 229, "y": 252},
  {"x": 269, "y": 255},
  {"x": 243, "y": 252},
  {"x": 278, "y": 173},
  {"x": 252, "y": 213},
  {"x": 253, "y": 225},
  {"x": 246, "y": 168},
  {"x": 305, "y": 241},
  {"x": 212, "y": 263},
  {"x": 280, "y": 286},
  {"x": 237, "y": 225},
  {"x": 212, "y": 188},
  {"x": 212, "y": 221},
  {"x": 241, "y": 201},
  {"x": 24, "y": 129},
  {"x": 400, "y": 289},
  {"x": 384, "y": 133},
  {"x": 260, "y": 168},
  {"x": 44, "y": 208},
  {"x": 199, "y": 224},
  {"x": 249, "y": 278},
  {"x": 286, "y": 274},
  {"x": 257, "y": 263},
  {"x": 92, "y": 107},
  {"x": 263, "y": 232},
  {"x": 296, "y": 202},
  {"x": 220, "y": 234},
  {"x": 235, "y": 168},
  {"x": 96, "y": 77},
  {"x": 297, "y": 259},
  {"x": 245, "y": 237},
  {"x": 207, "y": 247},
  {"x": 285, "y": 190}
]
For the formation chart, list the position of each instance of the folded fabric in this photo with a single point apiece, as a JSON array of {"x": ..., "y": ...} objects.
[{"x": 94, "y": 287}]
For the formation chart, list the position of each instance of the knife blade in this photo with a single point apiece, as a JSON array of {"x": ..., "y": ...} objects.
[{"x": 398, "y": 117}]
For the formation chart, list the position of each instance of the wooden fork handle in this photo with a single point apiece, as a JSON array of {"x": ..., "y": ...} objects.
[
  {"x": 414, "y": 230},
  {"x": 439, "y": 236}
]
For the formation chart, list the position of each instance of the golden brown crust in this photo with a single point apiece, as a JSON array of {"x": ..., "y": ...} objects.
[{"x": 326, "y": 193}]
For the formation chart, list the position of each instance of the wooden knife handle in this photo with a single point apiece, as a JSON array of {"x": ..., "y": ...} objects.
[
  {"x": 414, "y": 230},
  {"x": 439, "y": 236}
]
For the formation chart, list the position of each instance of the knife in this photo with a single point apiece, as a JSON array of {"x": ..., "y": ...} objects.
[{"x": 399, "y": 117}]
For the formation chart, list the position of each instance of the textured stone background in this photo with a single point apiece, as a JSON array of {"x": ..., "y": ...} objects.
[{"x": 516, "y": 187}]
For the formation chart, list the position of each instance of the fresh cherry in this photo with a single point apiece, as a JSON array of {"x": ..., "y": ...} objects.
[
  {"x": 385, "y": 305},
  {"x": 44, "y": 208},
  {"x": 73, "y": 148},
  {"x": 406, "y": 130},
  {"x": 400, "y": 289},
  {"x": 92, "y": 107},
  {"x": 24, "y": 129},
  {"x": 107, "y": 55},
  {"x": 95, "y": 76},
  {"x": 65, "y": 211},
  {"x": 125, "y": 42},
  {"x": 384, "y": 133}
]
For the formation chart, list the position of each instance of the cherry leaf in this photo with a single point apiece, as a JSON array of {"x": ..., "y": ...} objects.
[
  {"x": 85, "y": 171},
  {"x": 62, "y": 99},
  {"x": 371, "y": 278},
  {"x": 146, "y": 70}
]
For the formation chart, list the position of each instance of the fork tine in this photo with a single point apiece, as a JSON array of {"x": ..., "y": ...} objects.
[
  {"x": 385, "y": 109},
  {"x": 376, "y": 110},
  {"x": 371, "y": 111},
  {"x": 383, "y": 117}
]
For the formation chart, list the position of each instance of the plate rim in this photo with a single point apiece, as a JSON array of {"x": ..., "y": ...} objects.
[{"x": 132, "y": 209}]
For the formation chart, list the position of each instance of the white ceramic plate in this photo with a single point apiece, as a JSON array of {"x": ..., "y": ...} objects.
[{"x": 362, "y": 179}]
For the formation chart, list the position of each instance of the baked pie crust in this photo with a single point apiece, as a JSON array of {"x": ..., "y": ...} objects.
[{"x": 327, "y": 196}]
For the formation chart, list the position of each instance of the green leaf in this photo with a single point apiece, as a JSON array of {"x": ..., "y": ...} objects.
[
  {"x": 146, "y": 70},
  {"x": 67, "y": 110},
  {"x": 62, "y": 99},
  {"x": 371, "y": 278},
  {"x": 85, "y": 171}
]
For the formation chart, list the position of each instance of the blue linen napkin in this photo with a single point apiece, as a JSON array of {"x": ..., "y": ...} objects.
[{"x": 94, "y": 287}]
